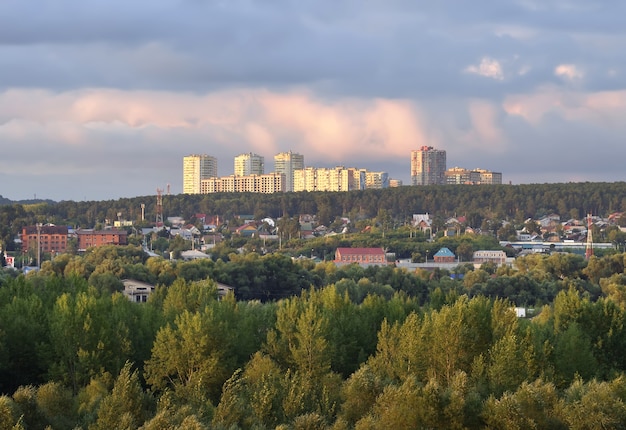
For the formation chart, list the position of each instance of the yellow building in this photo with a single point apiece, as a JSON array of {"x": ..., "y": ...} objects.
[
  {"x": 249, "y": 164},
  {"x": 287, "y": 163},
  {"x": 195, "y": 169},
  {"x": 267, "y": 183}
]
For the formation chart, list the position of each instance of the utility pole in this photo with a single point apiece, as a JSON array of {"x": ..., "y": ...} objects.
[
  {"x": 589, "y": 244},
  {"x": 39, "y": 245}
]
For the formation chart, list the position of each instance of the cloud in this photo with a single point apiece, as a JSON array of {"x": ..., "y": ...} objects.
[
  {"x": 233, "y": 121},
  {"x": 125, "y": 96},
  {"x": 488, "y": 68},
  {"x": 569, "y": 72},
  {"x": 602, "y": 108}
]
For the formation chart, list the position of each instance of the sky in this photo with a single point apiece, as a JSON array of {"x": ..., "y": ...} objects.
[{"x": 102, "y": 99}]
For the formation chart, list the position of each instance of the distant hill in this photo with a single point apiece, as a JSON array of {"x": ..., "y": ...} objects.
[{"x": 5, "y": 201}]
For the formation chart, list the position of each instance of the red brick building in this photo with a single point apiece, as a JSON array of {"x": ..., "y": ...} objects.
[
  {"x": 52, "y": 238},
  {"x": 89, "y": 238},
  {"x": 360, "y": 256},
  {"x": 444, "y": 255}
]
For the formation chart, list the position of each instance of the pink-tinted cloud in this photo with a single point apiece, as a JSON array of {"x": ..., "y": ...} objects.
[
  {"x": 598, "y": 108},
  {"x": 488, "y": 68},
  {"x": 267, "y": 122}
]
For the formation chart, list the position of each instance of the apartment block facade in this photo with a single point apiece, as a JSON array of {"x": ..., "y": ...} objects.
[
  {"x": 491, "y": 178},
  {"x": 428, "y": 166},
  {"x": 249, "y": 164},
  {"x": 459, "y": 175},
  {"x": 376, "y": 180},
  {"x": 287, "y": 163},
  {"x": 89, "y": 238},
  {"x": 266, "y": 184},
  {"x": 363, "y": 256},
  {"x": 195, "y": 169},
  {"x": 329, "y": 179},
  {"x": 50, "y": 238}
]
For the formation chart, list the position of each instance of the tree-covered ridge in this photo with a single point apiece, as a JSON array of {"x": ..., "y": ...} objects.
[
  {"x": 375, "y": 347},
  {"x": 569, "y": 200}
]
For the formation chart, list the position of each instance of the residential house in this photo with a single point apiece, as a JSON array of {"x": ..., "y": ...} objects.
[
  {"x": 246, "y": 230},
  {"x": 175, "y": 221},
  {"x": 306, "y": 218},
  {"x": 137, "y": 291},
  {"x": 193, "y": 254},
  {"x": 444, "y": 255},
  {"x": 208, "y": 241},
  {"x": 423, "y": 222},
  {"x": 223, "y": 290},
  {"x": 489, "y": 256},
  {"x": 306, "y": 230}
]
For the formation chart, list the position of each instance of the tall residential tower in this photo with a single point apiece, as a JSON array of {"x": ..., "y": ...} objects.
[
  {"x": 249, "y": 164},
  {"x": 195, "y": 169},
  {"x": 286, "y": 163},
  {"x": 428, "y": 166}
]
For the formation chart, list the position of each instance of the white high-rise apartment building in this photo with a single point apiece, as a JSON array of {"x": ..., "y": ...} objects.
[
  {"x": 428, "y": 166},
  {"x": 249, "y": 164},
  {"x": 195, "y": 169},
  {"x": 286, "y": 163}
]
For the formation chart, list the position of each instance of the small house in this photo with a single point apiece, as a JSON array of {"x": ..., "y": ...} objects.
[{"x": 444, "y": 255}]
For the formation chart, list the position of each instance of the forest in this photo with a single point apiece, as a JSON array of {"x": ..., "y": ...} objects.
[
  {"x": 302, "y": 343},
  {"x": 323, "y": 347},
  {"x": 491, "y": 203}
]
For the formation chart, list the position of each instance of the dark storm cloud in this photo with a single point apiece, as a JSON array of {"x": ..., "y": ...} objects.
[{"x": 391, "y": 49}]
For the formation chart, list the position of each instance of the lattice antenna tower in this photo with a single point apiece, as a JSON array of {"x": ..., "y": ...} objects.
[
  {"x": 589, "y": 245},
  {"x": 159, "y": 207}
]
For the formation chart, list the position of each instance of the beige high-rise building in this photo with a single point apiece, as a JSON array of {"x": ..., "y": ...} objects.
[
  {"x": 249, "y": 164},
  {"x": 428, "y": 166},
  {"x": 195, "y": 169},
  {"x": 376, "y": 180},
  {"x": 459, "y": 175},
  {"x": 489, "y": 178},
  {"x": 287, "y": 163},
  {"x": 329, "y": 179}
]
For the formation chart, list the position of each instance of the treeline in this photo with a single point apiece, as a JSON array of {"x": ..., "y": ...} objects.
[
  {"x": 351, "y": 347},
  {"x": 493, "y": 202},
  {"x": 535, "y": 280}
]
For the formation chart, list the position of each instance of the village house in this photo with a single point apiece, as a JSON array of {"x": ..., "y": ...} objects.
[
  {"x": 444, "y": 255},
  {"x": 489, "y": 256}
]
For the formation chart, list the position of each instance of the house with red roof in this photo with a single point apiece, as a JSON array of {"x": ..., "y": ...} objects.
[{"x": 247, "y": 230}]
